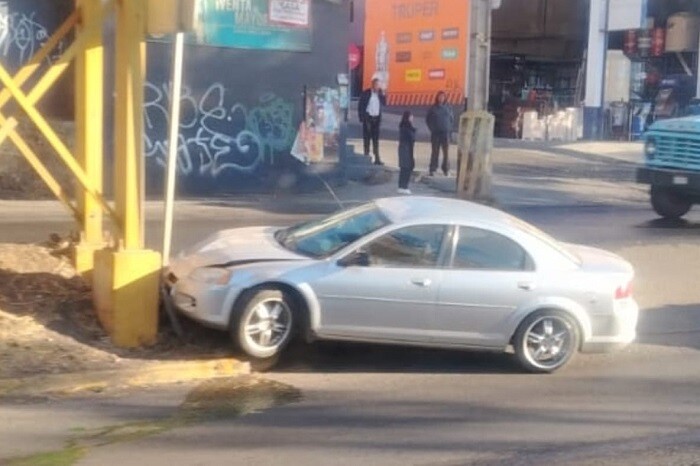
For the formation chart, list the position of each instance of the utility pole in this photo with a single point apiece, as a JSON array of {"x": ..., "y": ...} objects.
[{"x": 479, "y": 72}]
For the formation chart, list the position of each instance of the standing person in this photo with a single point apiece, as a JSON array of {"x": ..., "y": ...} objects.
[
  {"x": 407, "y": 141},
  {"x": 440, "y": 121},
  {"x": 372, "y": 102}
]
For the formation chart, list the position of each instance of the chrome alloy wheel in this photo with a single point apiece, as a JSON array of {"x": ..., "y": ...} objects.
[
  {"x": 549, "y": 342},
  {"x": 268, "y": 325}
]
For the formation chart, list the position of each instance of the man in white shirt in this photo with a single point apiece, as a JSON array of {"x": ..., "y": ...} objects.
[{"x": 372, "y": 102}]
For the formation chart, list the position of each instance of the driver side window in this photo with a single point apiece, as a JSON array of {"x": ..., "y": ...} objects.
[{"x": 414, "y": 246}]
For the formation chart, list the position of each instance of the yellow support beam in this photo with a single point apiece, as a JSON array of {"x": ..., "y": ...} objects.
[
  {"x": 128, "y": 129},
  {"x": 126, "y": 280},
  {"x": 89, "y": 124}
]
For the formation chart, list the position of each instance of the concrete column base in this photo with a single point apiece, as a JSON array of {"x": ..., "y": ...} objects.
[
  {"x": 126, "y": 295},
  {"x": 84, "y": 258},
  {"x": 593, "y": 123}
]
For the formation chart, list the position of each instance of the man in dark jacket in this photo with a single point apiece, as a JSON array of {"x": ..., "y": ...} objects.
[
  {"x": 372, "y": 102},
  {"x": 440, "y": 121}
]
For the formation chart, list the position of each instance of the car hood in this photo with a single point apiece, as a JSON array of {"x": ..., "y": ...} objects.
[
  {"x": 599, "y": 260},
  {"x": 233, "y": 247}
]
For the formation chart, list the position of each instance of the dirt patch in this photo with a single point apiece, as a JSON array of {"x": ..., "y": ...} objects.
[
  {"x": 48, "y": 326},
  {"x": 38, "y": 291}
]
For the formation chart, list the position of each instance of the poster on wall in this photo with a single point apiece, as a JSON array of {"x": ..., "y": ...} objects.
[
  {"x": 291, "y": 12},
  {"x": 253, "y": 24},
  {"x": 417, "y": 49},
  {"x": 319, "y": 134}
]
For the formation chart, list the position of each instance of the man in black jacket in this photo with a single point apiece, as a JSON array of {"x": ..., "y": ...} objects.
[
  {"x": 372, "y": 102},
  {"x": 440, "y": 120}
]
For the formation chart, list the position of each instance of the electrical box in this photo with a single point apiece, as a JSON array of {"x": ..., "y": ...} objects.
[{"x": 171, "y": 16}]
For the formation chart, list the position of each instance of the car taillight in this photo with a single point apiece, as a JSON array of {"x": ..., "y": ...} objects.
[{"x": 624, "y": 291}]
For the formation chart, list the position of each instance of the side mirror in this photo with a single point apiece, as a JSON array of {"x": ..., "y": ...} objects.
[{"x": 357, "y": 258}]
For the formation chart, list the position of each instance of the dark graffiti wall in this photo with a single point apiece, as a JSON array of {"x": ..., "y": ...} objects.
[{"x": 240, "y": 108}]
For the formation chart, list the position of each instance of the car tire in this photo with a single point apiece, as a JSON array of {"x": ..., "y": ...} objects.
[
  {"x": 263, "y": 325},
  {"x": 669, "y": 203},
  {"x": 545, "y": 341}
]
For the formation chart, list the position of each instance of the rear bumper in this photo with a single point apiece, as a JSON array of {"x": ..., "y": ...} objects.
[
  {"x": 668, "y": 177},
  {"x": 621, "y": 331}
]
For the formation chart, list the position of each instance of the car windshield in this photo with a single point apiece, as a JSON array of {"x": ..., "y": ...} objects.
[
  {"x": 323, "y": 237},
  {"x": 545, "y": 238}
]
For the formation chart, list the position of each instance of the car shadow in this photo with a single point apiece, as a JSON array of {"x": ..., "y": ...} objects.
[
  {"x": 342, "y": 357},
  {"x": 672, "y": 325}
]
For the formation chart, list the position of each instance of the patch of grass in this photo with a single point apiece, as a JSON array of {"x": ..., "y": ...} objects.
[
  {"x": 66, "y": 457},
  {"x": 212, "y": 399}
]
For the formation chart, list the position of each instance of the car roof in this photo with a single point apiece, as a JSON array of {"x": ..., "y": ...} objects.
[{"x": 437, "y": 209}]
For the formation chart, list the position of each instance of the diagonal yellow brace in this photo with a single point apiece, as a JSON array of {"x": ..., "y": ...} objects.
[
  {"x": 53, "y": 185},
  {"x": 49, "y": 78},
  {"x": 52, "y": 138},
  {"x": 30, "y": 68}
]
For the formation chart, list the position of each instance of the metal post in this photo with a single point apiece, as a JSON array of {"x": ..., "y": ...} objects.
[
  {"x": 595, "y": 68},
  {"x": 89, "y": 122},
  {"x": 173, "y": 144}
]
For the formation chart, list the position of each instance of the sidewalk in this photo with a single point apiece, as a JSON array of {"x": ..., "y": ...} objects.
[{"x": 527, "y": 174}]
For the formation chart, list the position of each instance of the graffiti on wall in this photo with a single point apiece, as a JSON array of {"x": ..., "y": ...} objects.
[
  {"x": 21, "y": 36},
  {"x": 218, "y": 135}
]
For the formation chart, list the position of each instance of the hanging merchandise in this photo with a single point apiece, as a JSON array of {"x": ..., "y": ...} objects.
[
  {"x": 658, "y": 42},
  {"x": 682, "y": 32},
  {"x": 644, "y": 42},
  {"x": 630, "y": 44}
]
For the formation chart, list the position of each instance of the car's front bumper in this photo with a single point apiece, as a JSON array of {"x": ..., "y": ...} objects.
[
  {"x": 203, "y": 302},
  {"x": 616, "y": 331}
]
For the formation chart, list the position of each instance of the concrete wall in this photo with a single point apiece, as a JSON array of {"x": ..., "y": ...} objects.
[
  {"x": 541, "y": 28},
  {"x": 518, "y": 19},
  {"x": 241, "y": 108}
]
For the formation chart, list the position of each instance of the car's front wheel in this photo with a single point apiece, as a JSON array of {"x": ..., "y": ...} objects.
[
  {"x": 546, "y": 341},
  {"x": 264, "y": 323}
]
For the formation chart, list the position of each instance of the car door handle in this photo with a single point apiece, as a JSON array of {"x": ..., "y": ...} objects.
[
  {"x": 422, "y": 282},
  {"x": 527, "y": 286}
]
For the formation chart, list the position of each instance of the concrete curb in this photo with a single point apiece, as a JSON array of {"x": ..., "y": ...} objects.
[{"x": 147, "y": 374}]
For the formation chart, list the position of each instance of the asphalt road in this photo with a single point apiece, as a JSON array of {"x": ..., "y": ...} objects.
[{"x": 385, "y": 405}]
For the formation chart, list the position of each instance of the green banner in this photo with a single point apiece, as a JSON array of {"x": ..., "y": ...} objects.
[{"x": 254, "y": 24}]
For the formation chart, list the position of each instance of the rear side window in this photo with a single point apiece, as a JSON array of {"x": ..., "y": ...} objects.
[
  {"x": 479, "y": 249},
  {"x": 416, "y": 246}
]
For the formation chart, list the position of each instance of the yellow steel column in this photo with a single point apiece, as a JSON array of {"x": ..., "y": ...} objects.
[
  {"x": 128, "y": 131},
  {"x": 126, "y": 280},
  {"x": 89, "y": 123}
]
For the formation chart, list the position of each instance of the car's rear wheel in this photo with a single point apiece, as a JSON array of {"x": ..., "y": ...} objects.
[
  {"x": 669, "y": 203},
  {"x": 264, "y": 325},
  {"x": 546, "y": 341}
]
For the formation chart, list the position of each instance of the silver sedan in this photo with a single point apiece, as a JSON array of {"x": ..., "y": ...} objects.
[{"x": 412, "y": 271}]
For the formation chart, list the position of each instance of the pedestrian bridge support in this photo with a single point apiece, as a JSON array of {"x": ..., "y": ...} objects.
[{"x": 124, "y": 275}]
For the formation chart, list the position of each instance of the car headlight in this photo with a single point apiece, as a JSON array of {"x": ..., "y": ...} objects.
[
  {"x": 211, "y": 275},
  {"x": 650, "y": 148}
]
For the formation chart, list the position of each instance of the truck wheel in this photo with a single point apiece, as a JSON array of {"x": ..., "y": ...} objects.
[{"x": 669, "y": 203}]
